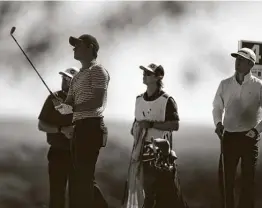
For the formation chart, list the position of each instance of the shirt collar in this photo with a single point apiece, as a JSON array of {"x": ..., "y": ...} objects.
[
  {"x": 154, "y": 96},
  {"x": 246, "y": 78}
]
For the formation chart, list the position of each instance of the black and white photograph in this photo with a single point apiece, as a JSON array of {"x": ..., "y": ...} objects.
[{"x": 130, "y": 104}]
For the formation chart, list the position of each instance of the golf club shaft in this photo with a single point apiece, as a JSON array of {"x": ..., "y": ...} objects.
[
  {"x": 51, "y": 93},
  {"x": 223, "y": 171}
]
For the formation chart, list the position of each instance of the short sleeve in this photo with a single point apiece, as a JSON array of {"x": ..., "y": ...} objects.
[
  {"x": 100, "y": 77},
  {"x": 171, "y": 110}
]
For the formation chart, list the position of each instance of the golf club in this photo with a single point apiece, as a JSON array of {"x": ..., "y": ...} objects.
[
  {"x": 11, "y": 33},
  {"x": 221, "y": 137}
]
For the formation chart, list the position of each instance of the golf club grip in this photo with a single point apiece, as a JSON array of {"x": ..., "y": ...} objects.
[{"x": 34, "y": 67}]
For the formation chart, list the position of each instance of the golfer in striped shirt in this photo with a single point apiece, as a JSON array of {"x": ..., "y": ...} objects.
[{"x": 87, "y": 95}]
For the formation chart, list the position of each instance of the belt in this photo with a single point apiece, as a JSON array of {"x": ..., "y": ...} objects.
[
  {"x": 236, "y": 132},
  {"x": 88, "y": 119}
]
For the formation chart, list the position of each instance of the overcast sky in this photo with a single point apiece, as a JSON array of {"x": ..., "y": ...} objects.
[{"x": 193, "y": 44}]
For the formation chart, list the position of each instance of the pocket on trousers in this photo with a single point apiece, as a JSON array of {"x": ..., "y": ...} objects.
[
  {"x": 104, "y": 142},
  {"x": 105, "y": 136}
]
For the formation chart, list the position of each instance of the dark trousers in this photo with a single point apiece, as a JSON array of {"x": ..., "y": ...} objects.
[
  {"x": 238, "y": 146},
  {"x": 87, "y": 141},
  {"x": 59, "y": 171},
  {"x": 162, "y": 189}
]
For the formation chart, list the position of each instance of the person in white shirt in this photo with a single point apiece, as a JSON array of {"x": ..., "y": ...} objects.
[{"x": 238, "y": 101}]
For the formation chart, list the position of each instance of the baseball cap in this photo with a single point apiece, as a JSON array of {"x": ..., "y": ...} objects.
[
  {"x": 156, "y": 69},
  {"x": 87, "y": 39},
  {"x": 246, "y": 53},
  {"x": 70, "y": 72}
]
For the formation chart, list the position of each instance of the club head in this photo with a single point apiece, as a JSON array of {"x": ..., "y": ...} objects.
[{"x": 12, "y": 30}]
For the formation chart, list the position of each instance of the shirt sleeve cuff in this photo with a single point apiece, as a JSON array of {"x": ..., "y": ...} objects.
[
  {"x": 217, "y": 120},
  {"x": 217, "y": 116}
]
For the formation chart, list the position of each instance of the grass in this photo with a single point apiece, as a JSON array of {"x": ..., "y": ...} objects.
[{"x": 24, "y": 177}]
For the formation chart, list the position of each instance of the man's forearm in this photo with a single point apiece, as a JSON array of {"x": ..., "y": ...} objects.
[
  {"x": 132, "y": 129},
  {"x": 166, "y": 126},
  {"x": 69, "y": 100},
  {"x": 48, "y": 128},
  {"x": 217, "y": 116}
]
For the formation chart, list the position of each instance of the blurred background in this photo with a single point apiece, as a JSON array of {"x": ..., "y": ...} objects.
[{"x": 192, "y": 40}]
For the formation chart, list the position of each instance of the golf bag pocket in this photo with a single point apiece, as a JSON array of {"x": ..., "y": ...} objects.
[{"x": 148, "y": 154}]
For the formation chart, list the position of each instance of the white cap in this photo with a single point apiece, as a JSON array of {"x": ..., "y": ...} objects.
[
  {"x": 156, "y": 69},
  {"x": 70, "y": 72},
  {"x": 246, "y": 53}
]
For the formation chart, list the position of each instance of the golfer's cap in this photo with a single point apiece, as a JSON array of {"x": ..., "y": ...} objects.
[
  {"x": 70, "y": 72},
  {"x": 87, "y": 39},
  {"x": 246, "y": 53},
  {"x": 156, "y": 69}
]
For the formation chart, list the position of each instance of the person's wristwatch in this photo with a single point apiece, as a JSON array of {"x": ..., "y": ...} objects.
[{"x": 59, "y": 128}]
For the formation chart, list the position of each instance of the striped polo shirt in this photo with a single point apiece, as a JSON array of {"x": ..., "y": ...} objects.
[{"x": 81, "y": 89}]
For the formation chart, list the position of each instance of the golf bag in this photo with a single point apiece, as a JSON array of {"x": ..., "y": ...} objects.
[{"x": 159, "y": 155}]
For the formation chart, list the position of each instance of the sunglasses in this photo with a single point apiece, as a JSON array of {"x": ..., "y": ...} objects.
[
  {"x": 148, "y": 73},
  {"x": 240, "y": 58},
  {"x": 80, "y": 43},
  {"x": 66, "y": 78}
]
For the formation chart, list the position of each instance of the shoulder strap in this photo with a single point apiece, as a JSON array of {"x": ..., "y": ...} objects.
[
  {"x": 171, "y": 141},
  {"x": 165, "y": 95},
  {"x": 141, "y": 95}
]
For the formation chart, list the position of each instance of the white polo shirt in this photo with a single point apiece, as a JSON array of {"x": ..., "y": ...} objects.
[{"x": 239, "y": 104}]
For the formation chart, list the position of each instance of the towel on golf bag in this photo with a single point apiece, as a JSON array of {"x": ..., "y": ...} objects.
[{"x": 134, "y": 195}]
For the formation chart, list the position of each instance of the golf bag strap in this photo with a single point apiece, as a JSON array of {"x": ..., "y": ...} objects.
[{"x": 171, "y": 141}]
